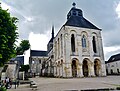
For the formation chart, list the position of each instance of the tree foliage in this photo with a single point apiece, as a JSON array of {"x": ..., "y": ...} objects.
[
  {"x": 24, "y": 45},
  {"x": 8, "y": 36},
  {"x": 25, "y": 68}
]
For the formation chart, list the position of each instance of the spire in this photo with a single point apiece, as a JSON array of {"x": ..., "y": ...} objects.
[{"x": 52, "y": 31}]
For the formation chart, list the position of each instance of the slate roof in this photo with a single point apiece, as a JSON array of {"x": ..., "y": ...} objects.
[
  {"x": 78, "y": 20},
  {"x": 20, "y": 59},
  {"x": 114, "y": 58},
  {"x": 38, "y": 53}
]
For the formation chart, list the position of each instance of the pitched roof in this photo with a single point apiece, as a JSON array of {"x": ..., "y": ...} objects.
[
  {"x": 75, "y": 18},
  {"x": 114, "y": 58},
  {"x": 79, "y": 21},
  {"x": 38, "y": 53},
  {"x": 20, "y": 59}
]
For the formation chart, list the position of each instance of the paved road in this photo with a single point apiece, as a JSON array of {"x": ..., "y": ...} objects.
[{"x": 71, "y": 84}]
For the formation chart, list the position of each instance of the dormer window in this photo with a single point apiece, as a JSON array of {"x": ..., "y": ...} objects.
[
  {"x": 79, "y": 13},
  {"x": 74, "y": 12},
  {"x": 113, "y": 58}
]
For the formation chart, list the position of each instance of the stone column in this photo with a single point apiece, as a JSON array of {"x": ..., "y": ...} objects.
[
  {"x": 92, "y": 69},
  {"x": 58, "y": 72},
  {"x": 70, "y": 70},
  {"x": 79, "y": 71},
  {"x": 103, "y": 70},
  {"x": 55, "y": 71},
  {"x": 62, "y": 68},
  {"x": 89, "y": 70},
  {"x": 67, "y": 70}
]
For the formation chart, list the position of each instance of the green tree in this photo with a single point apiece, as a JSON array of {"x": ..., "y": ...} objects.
[
  {"x": 25, "y": 68},
  {"x": 24, "y": 45},
  {"x": 8, "y": 36}
]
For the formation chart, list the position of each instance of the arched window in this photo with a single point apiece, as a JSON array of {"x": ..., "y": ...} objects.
[
  {"x": 56, "y": 50},
  {"x": 83, "y": 41},
  {"x": 40, "y": 61},
  {"x": 72, "y": 43},
  {"x": 118, "y": 71},
  {"x": 94, "y": 44},
  {"x": 58, "y": 47},
  {"x": 61, "y": 45}
]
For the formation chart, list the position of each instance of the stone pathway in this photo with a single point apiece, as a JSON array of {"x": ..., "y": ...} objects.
[{"x": 71, "y": 84}]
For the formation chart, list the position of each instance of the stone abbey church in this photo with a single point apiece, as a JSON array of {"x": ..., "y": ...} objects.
[{"x": 76, "y": 50}]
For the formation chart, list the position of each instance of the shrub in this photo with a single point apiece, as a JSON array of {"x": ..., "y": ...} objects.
[{"x": 3, "y": 89}]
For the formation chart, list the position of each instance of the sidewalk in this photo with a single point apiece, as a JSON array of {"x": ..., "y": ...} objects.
[
  {"x": 22, "y": 87},
  {"x": 75, "y": 84}
]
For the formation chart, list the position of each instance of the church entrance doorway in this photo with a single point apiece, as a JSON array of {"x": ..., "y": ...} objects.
[
  {"x": 85, "y": 68},
  {"x": 96, "y": 67},
  {"x": 74, "y": 68}
]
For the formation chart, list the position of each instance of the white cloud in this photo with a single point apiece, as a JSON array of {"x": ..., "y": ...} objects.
[
  {"x": 26, "y": 56},
  {"x": 38, "y": 41},
  {"x": 5, "y": 6},
  {"x": 36, "y": 18},
  {"x": 118, "y": 10},
  {"x": 110, "y": 49}
]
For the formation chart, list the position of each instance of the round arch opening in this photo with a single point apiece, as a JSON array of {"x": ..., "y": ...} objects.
[
  {"x": 74, "y": 68},
  {"x": 96, "y": 67},
  {"x": 85, "y": 68}
]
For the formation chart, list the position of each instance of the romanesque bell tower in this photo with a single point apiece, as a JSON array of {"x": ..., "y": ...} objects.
[{"x": 78, "y": 49}]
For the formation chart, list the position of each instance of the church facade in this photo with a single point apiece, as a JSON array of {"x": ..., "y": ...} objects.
[{"x": 76, "y": 50}]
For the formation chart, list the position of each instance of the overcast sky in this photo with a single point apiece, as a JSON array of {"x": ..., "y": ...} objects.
[{"x": 36, "y": 18}]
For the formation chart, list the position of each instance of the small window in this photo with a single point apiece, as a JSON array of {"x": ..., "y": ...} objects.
[
  {"x": 94, "y": 45},
  {"x": 83, "y": 41},
  {"x": 61, "y": 61},
  {"x": 33, "y": 62},
  {"x": 79, "y": 13},
  {"x": 73, "y": 43},
  {"x": 74, "y": 12},
  {"x": 40, "y": 61},
  {"x": 118, "y": 71},
  {"x": 111, "y": 71},
  {"x": 113, "y": 58}
]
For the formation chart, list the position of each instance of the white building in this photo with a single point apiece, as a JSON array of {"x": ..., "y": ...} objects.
[
  {"x": 37, "y": 59},
  {"x": 76, "y": 50},
  {"x": 113, "y": 65}
]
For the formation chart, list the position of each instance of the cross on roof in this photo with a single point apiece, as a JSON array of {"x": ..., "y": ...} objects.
[{"x": 74, "y": 4}]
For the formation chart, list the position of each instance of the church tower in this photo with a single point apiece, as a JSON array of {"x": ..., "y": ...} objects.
[
  {"x": 77, "y": 48},
  {"x": 52, "y": 31},
  {"x": 50, "y": 43}
]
